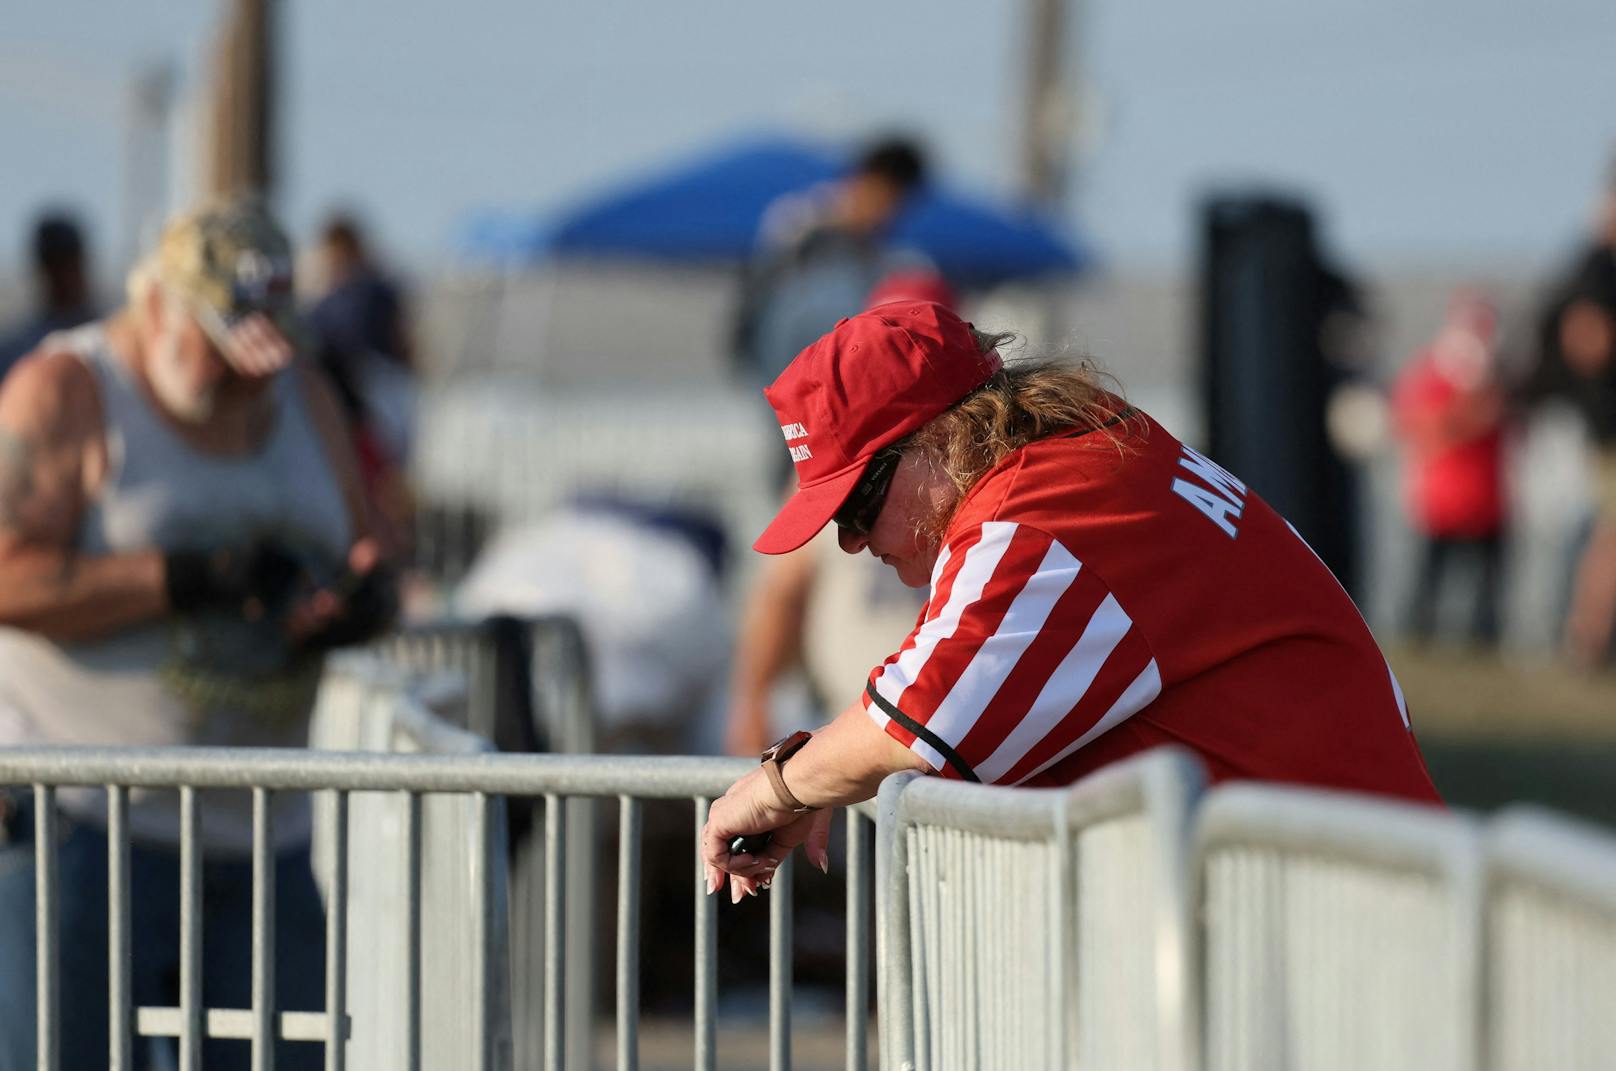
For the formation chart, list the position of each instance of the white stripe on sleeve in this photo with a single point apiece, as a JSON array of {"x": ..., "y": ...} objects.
[
  {"x": 1134, "y": 698},
  {"x": 1064, "y": 689},
  {"x": 974, "y": 573},
  {"x": 1000, "y": 652}
]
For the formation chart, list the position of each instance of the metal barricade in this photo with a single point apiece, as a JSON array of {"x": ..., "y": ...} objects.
[
  {"x": 1339, "y": 931},
  {"x": 549, "y": 690},
  {"x": 456, "y": 839},
  {"x": 415, "y": 782},
  {"x": 1551, "y": 944},
  {"x": 527, "y": 689},
  {"x": 1030, "y": 928}
]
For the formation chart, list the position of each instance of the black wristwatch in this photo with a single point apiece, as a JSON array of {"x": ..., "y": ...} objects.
[{"x": 774, "y": 757}]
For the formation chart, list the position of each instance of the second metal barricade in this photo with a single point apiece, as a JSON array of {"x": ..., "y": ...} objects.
[
  {"x": 1038, "y": 928},
  {"x": 1339, "y": 931}
]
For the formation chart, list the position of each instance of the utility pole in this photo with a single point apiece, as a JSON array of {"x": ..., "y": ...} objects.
[
  {"x": 1048, "y": 115},
  {"x": 238, "y": 143},
  {"x": 1046, "y": 110}
]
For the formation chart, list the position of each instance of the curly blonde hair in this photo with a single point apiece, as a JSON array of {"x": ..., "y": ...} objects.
[{"x": 1027, "y": 400}]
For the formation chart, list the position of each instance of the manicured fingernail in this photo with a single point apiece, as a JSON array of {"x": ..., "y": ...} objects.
[
  {"x": 712, "y": 881},
  {"x": 735, "y": 892},
  {"x": 766, "y": 884}
]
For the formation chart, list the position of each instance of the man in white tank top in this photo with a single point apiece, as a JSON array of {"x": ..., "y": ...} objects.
[{"x": 182, "y": 536}]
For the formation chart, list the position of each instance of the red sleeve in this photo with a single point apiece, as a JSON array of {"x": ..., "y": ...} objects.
[{"x": 1022, "y": 657}]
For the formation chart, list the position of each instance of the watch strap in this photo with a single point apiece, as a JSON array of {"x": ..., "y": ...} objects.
[
  {"x": 773, "y": 761},
  {"x": 791, "y": 803}
]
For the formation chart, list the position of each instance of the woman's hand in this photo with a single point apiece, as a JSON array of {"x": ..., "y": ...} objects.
[{"x": 749, "y": 808}]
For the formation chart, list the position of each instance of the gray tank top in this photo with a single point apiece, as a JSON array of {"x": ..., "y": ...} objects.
[{"x": 196, "y": 680}]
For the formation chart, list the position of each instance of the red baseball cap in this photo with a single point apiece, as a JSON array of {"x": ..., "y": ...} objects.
[{"x": 873, "y": 380}]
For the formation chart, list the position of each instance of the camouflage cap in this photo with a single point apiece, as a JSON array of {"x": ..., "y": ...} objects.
[{"x": 227, "y": 261}]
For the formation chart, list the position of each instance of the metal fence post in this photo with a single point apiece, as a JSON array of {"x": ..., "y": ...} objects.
[
  {"x": 892, "y": 929},
  {"x": 858, "y": 939},
  {"x": 780, "y": 936},
  {"x": 555, "y": 933},
  {"x": 191, "y": 1013},
  {"x": 706, "y": 954},
  {"x": 336, "y": 939},
  {"x": 628, "y": 935},
  {"x": 263, "y": 934},
  {"x": 46, "y": 930},
  {"x": 119, "y": 949}
]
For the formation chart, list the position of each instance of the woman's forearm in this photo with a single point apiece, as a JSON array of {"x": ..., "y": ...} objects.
[{"x": 846, "y": 761}]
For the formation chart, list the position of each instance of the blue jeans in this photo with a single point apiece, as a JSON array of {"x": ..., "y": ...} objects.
[{"x": 154, "y": 877}]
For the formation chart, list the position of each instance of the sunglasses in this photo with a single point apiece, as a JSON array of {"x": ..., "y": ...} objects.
[{"x": 862, "y": 506}]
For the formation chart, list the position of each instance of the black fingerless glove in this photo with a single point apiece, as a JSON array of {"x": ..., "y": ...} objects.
[
  {"x": 227, "y": 577},
  {"x": 369, "y": 609}
]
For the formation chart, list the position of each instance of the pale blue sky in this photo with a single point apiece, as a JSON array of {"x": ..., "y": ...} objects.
[{"x": 1430, "y": 131}]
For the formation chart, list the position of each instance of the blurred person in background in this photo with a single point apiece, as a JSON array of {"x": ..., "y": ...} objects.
[
  {"x": 832, "y": 614},
  {"x": 1576, "y": 360},
  {"x": 645, "y": 583},
  {"x": 1449, "y": 411},
  {"x": 182, "y": 538},
  {"x": 1097, "y": 589},
  {"x": 362, "y": 342},
  {"x": 60, "y": 267},
  {"x": 820, "y": 252}
]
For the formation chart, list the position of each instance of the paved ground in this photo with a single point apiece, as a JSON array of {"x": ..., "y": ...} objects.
[
  {"x": 668, "y": 1045},
  {"x": 1498, "y": 732}
]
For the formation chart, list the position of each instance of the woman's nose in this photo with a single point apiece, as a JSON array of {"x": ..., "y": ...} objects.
[{"x": 851, "y": 542}]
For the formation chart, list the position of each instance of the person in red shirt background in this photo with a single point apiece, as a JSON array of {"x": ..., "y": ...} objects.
[
  {"x": 1449, "y": 412},
  {"x": 1097, "y": 588}
]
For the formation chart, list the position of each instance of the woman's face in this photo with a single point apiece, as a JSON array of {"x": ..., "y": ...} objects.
[{"x": 900, "y": 536}]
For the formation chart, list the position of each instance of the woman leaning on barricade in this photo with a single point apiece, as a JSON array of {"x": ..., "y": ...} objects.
[{"x": 1097, "y": 588}]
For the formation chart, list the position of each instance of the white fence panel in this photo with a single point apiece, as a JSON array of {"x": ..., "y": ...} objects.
[
  {"x": 428, "y": 842},
  {"x": 1339, "y": 932},
  {"x": 1551, "y": 929},
  {"x": 560, "y": 706},
  {"x": 1034, "y": 928}
]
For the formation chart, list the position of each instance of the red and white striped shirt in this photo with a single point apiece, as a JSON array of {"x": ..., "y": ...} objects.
[{"x": 1091, "y": 602}]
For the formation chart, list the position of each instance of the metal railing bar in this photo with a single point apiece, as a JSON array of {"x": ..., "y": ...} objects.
[
  {"x": 706, "y": 981},
  {"x": 233, "y": 1024},
  {"x": 48, "y": 1000},
  {"x": 120, "y": 951},
  {"x": 158, "y": 1022},
  {"x": 628, "y": 934},
  {"x": 1550, "y": 852},
  {"x": 304, "y": 1026},
  {"x": 1363, "y": 829},
  {"x": 892, "y": 929},
  {"x": 555, "y": 932},
  {"x": 988, "y": 811},
  {"x": 287, "y": 769},
  {"x": 858, "y": 941},
  {"x": 412, "y": 931},
  {"x": 336, "y": 938},
  {"x": 263, "y": 934},
  {"x": 190, "y": 932},
  {"x": 482, "y": 976},
  {"x": 780, "y": 935}
]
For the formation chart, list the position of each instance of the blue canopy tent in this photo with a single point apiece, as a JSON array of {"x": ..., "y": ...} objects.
[{"x": 709, "y": 210}]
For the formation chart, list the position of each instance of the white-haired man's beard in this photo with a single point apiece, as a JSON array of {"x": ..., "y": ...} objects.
[{"x": 168, "y": 382}]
